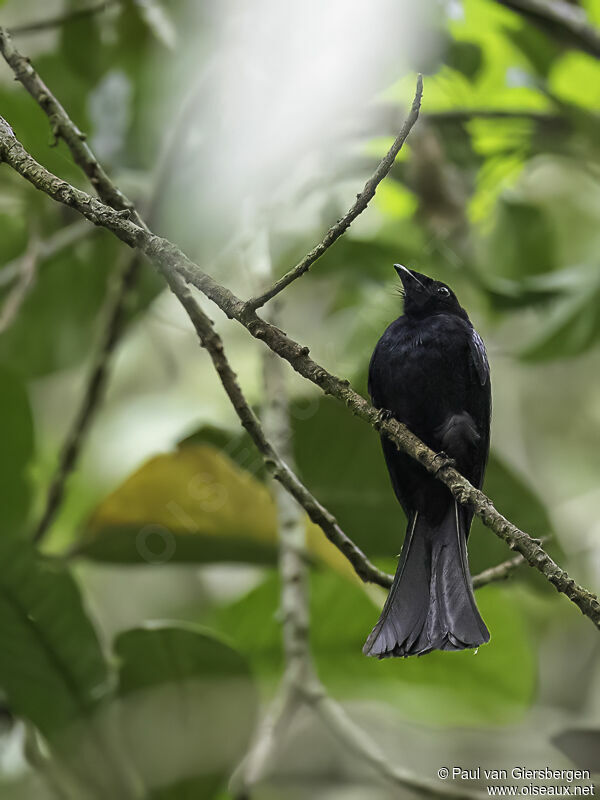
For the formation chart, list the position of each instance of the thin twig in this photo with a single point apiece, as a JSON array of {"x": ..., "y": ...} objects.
[
  {"x": 18, "y": 294},
  {"x": 62, "y": 19},
  {"x": 501, "y": 571},
  {"x": 362, "y": 201},
  {"x": 568, "y": 19},
  {"x": 174, "y": 265},
  {"x": 498, "y": 573}
]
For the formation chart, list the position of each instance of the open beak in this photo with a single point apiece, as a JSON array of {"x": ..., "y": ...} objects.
[{"x": 406, "y": 274}]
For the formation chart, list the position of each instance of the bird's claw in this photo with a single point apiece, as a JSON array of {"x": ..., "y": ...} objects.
[
  {"x": 445, "y": 461},
  {"x": 385, "y": 415}
]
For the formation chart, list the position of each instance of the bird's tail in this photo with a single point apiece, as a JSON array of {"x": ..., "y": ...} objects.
[{"x": 431, "y": 604}]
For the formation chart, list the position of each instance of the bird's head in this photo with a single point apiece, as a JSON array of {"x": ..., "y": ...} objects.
[{"x": 424, "y": 297}]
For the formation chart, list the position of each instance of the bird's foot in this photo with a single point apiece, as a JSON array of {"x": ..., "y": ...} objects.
[
  {"x": 385, "y": 415},
  {"x": 442, "y": 460}
]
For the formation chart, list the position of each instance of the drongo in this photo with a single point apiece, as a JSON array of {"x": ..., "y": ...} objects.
[{"x": 430, "y": 371}]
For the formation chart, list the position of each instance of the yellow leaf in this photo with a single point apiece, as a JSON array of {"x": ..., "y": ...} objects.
[{"x": 194, "y": 505}]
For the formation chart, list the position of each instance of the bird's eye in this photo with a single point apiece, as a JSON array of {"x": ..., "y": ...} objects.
[{"x": 443, "y": 291}]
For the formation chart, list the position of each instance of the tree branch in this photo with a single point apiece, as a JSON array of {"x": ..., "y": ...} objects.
[
  {"x": 63, "y": 127},
  {"x": 570, "y": 20},
  {"x": 362, "y": 201},
  {"x": 173, "y": 264}
]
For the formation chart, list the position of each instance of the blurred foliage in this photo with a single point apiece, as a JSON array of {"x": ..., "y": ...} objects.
[
  {"x": 497, "y": 192},
  {"x": 203, "y": 694},
  {"x": 465, "y": 689},
  {"x": 44, "y": 627},
  {"x": 194, "y": 505},
  {"x": 16, "y": 434},
  {"x": 203, "y": 502},
  {"x": 55, "y": 675}
]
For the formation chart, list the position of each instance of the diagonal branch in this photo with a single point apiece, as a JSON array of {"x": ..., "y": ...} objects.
[
  {"x": 174, "y": 264},
  {"x": 63, "y": 127},
  {"x": 362, "y": 201}
]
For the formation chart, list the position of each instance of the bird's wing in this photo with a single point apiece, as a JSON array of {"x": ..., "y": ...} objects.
[
  {"x": 375, "y": 367},
  {"x": 479, "y": 357}
]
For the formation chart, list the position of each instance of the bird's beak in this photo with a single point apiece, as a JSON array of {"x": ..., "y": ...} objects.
[{"x": 409, "y": 275}]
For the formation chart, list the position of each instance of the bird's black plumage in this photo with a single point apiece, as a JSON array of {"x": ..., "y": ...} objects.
[{"x": 430, "y": 370}]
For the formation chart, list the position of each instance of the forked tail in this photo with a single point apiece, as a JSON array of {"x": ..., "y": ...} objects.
[{"x": 431, "y": 604}]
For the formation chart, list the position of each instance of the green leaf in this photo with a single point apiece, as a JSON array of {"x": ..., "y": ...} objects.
[
  {"x": 56, "y": 325},
  {"x": 461, "y": 688},
  {"x": 539, "y": 50},
  {"x": 523, "y": 241},
  {"x": 516, "y": 500},
  {"x": 348, "y": 475},
  {"x": 350, "y": 478},
  {"x": 202, "y": 692},
  {"x": 14, "y": 234},
  {"x": 570, "y": 328},
  {"x": 465, "y": 57},
  {"x": 52, "y": 669},
  {"x": 575, "y": 79},
  {"x": 81, "y": 45},
  {"x": 16, "y": 435},
  {"x": 510, "y": 295}
]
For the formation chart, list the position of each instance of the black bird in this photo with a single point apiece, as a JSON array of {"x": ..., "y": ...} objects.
[{"x": 430, "y": 371}]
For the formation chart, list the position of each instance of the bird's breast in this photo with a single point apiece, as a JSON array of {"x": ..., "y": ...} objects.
[{"x": 422, "y": 368}]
